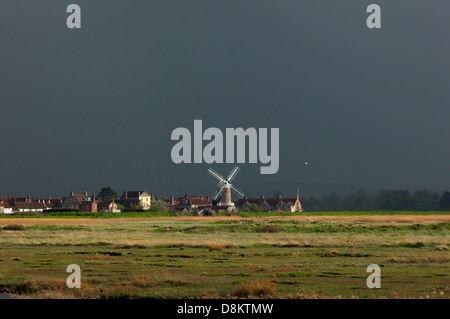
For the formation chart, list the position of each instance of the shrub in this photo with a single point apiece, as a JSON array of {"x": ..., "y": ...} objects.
[
  {"x": 217, "y": 247},
  {"x": 160, "y": 206},
  {"x": 268, "y": 229},
  {"x": 13, "y": 227},
  {"x": 261, "y": 289}
]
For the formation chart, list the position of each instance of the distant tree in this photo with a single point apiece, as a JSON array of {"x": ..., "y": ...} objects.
[
  {"x": 444, "y": 202},
  {"x": 359, "y": 201},
  {"x": 393, "y": 199},
  {"x": 424, "y": 200},
  {"x": 331, "y": 202},
  {"x": 160, "y": 206},
  {"x": 121, "y": 207},
  {"x": 310, "y": 204},
  {"x": 107, "y": 194}
]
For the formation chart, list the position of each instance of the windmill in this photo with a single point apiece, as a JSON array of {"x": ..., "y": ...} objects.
[{"x": 223, "y": 194}]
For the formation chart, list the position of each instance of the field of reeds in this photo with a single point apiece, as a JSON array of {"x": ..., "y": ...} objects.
[{"x": 227, "y": 257}]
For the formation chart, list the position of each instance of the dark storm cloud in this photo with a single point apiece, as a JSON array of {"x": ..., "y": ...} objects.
[{"x": 87, "y": 108}]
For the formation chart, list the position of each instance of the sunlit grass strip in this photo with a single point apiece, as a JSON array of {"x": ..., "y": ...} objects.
[{"x": 241, "y": 214}]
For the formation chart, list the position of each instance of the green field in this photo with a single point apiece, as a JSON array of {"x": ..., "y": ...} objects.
[{"x": 228, "y": 257}]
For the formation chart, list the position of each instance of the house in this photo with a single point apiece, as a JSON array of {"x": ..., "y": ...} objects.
[
  {"x": 173, "y": 203},
  {"x": 190, "y": 204},
  {"x": 284, "y": 204},
  {"x": 29, "y": 207},
  {"x": 246, "y": 203},
  {"x": 23, "y": 205},
  {"x": 32, "y": 207},
  {"x": 278, "y": 204},
  {"x": 108, "y": 207},
  {"x": 52, "y": 203},
  {"x": 89, "y": 206},
  {"x": 292, "y": 204},
  {"x": 194, "y": 203},
  {"x": 132, "y": 199},
  {"x": 5, "y": 208},
  {"x": 83, "y": 202},
  {"x": 13, "y": 200}
]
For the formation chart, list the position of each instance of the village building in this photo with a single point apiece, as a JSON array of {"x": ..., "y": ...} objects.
[
  {"x": 52, "y": 203},
  {"x": 194, "y": 204},
  {"x": 191, "y": 204},
  {"x": 278, "y": 204},
  {"x": 29, "y": 207},
  {"x": 246, "y": 203},
  {"x": 83, "y": 202},
  {"x": 14, "y": 200},
  {"x": 173, "y": 203},
  {"x": 107, "y": 207},
  {"x": 5, "y": 208},
  {"x": 133, "y": 199},
  {"x": 89, "y": 206},
  {"x": 23, "y": 205}
]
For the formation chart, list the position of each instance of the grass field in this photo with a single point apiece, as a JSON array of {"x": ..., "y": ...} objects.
[{"x": 228, "y": 257}]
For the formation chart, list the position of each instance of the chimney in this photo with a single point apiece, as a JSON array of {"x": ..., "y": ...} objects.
[
  {"x": 171, "y": 199},
  {"x": 126, "y": 195},
  {"x": 262, "y": 196},
  {"x": 279, "y": 196},
  {"x": 85, "y": 193},
  {"x": 71, "y": 193}
]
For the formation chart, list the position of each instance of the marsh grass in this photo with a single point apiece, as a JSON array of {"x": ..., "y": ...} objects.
[
  {"x": 219, "y": 247},
  {"x": 205, "y": 258},
  {"x": 265, "y": 288}
]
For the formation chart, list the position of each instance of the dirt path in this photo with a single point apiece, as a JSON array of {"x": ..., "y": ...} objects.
[{"x": 410, "y": 219}]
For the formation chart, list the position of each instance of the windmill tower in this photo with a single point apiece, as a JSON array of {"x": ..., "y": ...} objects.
[{"x": 223, "y": 194}]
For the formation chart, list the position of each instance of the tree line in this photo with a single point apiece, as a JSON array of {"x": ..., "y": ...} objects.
[{"x": 386, "y": 199}]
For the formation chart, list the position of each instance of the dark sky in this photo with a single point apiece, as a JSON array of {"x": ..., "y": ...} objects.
[{"x": 82, "y": 109}]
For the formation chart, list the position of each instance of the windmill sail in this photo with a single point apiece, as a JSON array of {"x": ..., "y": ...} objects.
[
  {"x": 233, "y": 174},
  {"x": 216, "y": 175},
  {"x": 238, "y": 192}
]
